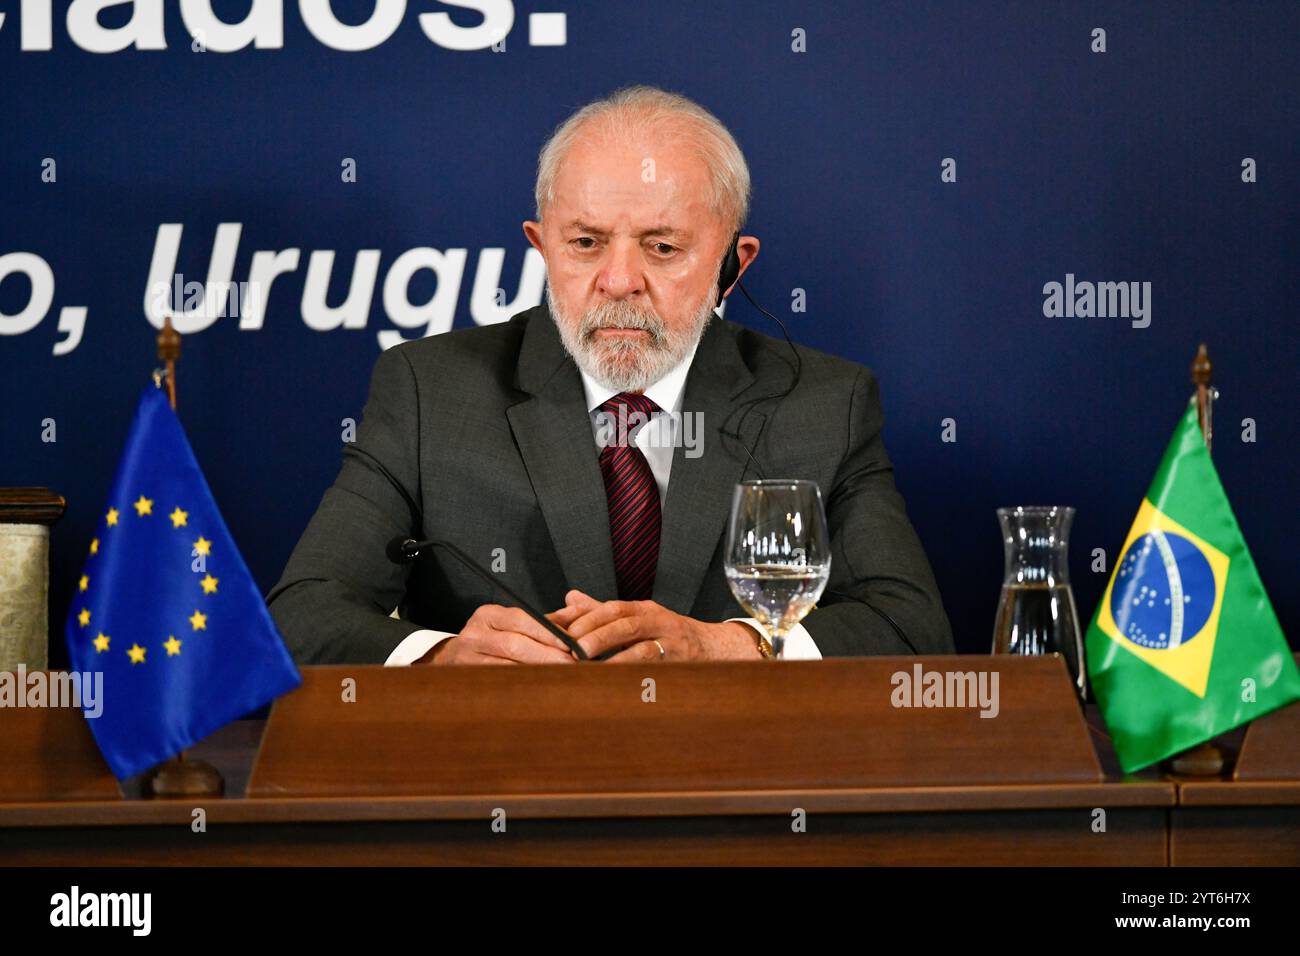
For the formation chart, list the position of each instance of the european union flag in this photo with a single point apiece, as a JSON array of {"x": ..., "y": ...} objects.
[{"x": 166, "y": 608}]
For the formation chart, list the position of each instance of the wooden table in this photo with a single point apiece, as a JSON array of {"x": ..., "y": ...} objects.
[
  {"x": 1252, "y": 817},
  {"x": 990, "y": 825},
  {"x": 714, "y": 772}
]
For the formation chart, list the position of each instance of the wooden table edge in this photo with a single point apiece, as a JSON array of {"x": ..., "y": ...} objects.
[
  {"x": 1238, "y": 793},
  {"x": 571, "y": 805}
]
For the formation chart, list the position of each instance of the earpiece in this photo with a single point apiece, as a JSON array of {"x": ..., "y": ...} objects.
[
  {"x": 728, "y": 275},
  {"x": 730, "y": 268}
]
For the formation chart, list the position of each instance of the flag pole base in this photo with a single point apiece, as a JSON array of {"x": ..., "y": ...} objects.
[
  {"x": 1203, "y": 760},
  {"x": 181, "y": 777}
]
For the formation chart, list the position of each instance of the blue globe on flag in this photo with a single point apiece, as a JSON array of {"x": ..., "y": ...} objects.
[{"x": 1164, "y": 591}]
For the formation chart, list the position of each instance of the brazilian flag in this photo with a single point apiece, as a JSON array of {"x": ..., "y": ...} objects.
[{"x": 1184, "y": 644}]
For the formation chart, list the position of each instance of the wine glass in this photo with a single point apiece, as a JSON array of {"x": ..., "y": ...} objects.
[{"x": 778, "y": 556}]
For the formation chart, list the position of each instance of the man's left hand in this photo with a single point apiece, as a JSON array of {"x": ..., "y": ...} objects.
[{"x": 632, "y": 628}]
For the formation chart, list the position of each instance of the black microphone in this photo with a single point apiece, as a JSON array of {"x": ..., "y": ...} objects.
[{"x": 400, "y": 550}]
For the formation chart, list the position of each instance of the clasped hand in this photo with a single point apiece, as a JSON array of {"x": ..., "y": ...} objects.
[{"x": 634, "y": 631}]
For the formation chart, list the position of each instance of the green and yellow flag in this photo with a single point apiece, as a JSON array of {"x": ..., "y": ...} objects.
[{"x": 1184, "y": 644}]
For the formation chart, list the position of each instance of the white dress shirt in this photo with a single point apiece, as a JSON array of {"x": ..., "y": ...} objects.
[{"x": 656, "y": 439}]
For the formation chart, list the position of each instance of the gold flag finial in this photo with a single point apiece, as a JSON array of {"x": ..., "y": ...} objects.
[
  {"x": 169, "y": 350},
  {"x": 1202, "y": 369}
]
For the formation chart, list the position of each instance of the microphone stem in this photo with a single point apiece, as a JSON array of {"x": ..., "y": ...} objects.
[{"x": 523, "y": 605}]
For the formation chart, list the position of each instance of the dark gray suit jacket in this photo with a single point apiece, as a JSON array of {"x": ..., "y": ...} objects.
[{"x": 488, "y": 434}]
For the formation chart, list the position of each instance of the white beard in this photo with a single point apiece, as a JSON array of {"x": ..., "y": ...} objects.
[{"x": 627, "y": 365}]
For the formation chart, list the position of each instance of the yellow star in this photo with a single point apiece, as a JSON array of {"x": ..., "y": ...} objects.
[
  {"x": 173, "y": 646},
  {"x": 101, "y": 642},
  {"x": 84, "y": 617},
  {"x": 84, "y": 583},
  {"x": 203, "y": 546},
  {"x": 94, "y": 546},
  {"x": 199, "y": 621},
  {"x": 143, "y": 506},
  {"x": 111, "y": 517},
  {"x": 179, "y": 517},
  {"x": 209, "y": 584},
  {"x": 136, "y": 653}
]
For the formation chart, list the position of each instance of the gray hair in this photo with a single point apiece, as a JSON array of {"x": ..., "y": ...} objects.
[{"x": 638, "y": 109}]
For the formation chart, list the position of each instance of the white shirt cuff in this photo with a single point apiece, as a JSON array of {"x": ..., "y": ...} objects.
[
  {"x": 414, "y": 646},
  {"x": 799, "y": 645}
]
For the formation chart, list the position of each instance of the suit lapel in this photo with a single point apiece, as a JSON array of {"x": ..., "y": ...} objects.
[
  {"x": 698, "y": 504},
  {"x": 552, "y": 430}
]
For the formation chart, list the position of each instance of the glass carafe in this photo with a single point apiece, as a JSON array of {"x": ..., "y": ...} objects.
[{"x": 1036, "y": 614}]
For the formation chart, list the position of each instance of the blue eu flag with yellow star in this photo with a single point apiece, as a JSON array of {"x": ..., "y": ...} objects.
[{"x": 166, "y": 608}]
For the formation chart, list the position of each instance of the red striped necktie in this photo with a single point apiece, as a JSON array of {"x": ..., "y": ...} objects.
[{"x": 633, "y": 496}]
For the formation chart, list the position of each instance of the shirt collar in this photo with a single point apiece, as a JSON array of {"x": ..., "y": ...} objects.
[{"x": 666, "y": 393}]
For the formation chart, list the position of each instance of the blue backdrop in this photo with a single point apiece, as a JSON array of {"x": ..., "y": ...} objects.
[{"x": 1167, "y": 159}]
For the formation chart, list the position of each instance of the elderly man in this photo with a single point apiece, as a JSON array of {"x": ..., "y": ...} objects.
[{"x": 490, "y": 438}]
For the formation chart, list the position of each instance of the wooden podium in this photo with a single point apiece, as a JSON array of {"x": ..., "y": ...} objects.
[
  {"x": 668, "y": 729},
  {"x": 728, "y": 763},
  {"x": 48, "y": 753}
]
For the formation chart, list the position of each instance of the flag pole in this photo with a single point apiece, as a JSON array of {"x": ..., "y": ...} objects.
[
  {"x": 180, "y": 776},
  {"x": 1202, "y": 372},
  {"x": 1206, "y": 759}
]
